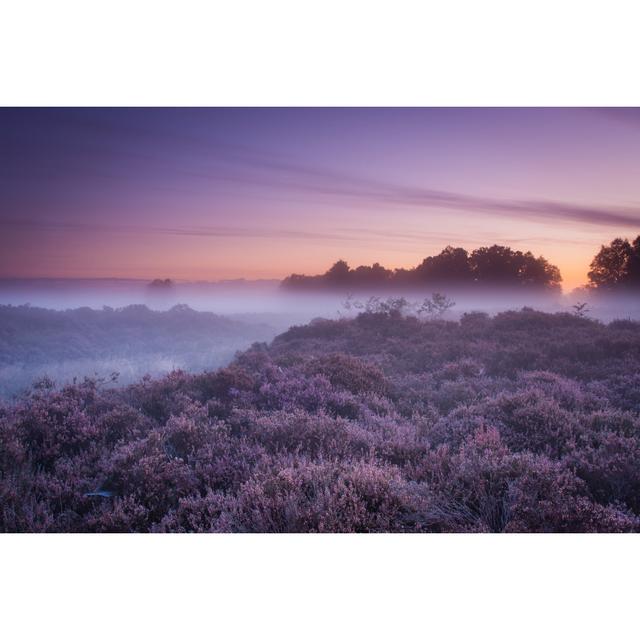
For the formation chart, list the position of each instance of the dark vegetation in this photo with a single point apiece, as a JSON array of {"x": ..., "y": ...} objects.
[
  {"x": 161, "y": 285},
  {"x": 132, "y": 341},
  {"x": 384, "y": 422},
  {"x": 616, "y": 267},
  {"x": 453, "y": 268}
]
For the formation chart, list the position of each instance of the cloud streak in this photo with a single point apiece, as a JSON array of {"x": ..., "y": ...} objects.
[
  {"x": 382, "y": 193},
  {"x": 348, "y": 235},
  {"x": 280, "y": 175},
  {"x": 200, "y": 231},
  {"x": 178, "y": 160}
]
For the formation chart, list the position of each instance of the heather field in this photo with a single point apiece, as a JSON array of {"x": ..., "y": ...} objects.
[{"x": 381, "y": 422}]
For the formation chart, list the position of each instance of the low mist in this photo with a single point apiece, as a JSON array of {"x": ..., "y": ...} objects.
[{"x": 67, "y": 329}]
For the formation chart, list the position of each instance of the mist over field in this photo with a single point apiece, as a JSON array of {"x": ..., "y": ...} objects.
[
  {"x": 80, "y": 334},
  {"x": 261, "y": 298},
  {"x": 267, "y": 300},
  {"x": 65, "y": 330}
]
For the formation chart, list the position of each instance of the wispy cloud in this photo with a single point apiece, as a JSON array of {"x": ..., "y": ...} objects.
[
  {"x": 348, "y": 235},
  {"x": 186, "y": 163},
  {"x": 288, "y": 176},
  {"x": 202, "y": 231}
]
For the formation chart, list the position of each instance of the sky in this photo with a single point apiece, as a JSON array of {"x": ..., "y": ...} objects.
[{"x": 210, "y": 194}]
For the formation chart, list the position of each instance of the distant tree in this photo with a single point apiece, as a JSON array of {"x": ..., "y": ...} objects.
[
  {"x": 616, "y": 265},
  {"x": 374, "y": 275},
  {"x": 538, "y": 272},
  {"x": 499, "y": 265},
  {"x": 403, "y": 277},
  {"x": 634, "y": 263},
  {"x": 296, "y": 280},
  {"x": 436, "y": 306},
  {"x": 338, "y": 274},
  {"x": 494, "y": 265},
  {"x": 160, "y": 284},
  {"x": 450, "y": 265}
]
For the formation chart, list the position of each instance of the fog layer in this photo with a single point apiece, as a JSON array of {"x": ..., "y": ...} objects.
[{"x": 66, "y": 329}]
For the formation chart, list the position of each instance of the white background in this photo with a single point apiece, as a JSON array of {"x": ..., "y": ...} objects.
[
  {"x": 275, "y": 52},
  {"x": 319, "y": 586},
  {"x": 327, "y": 52}
]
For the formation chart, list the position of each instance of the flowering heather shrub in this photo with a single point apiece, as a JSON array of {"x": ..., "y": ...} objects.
[
  {"x": 347, "y": 372},
  {"x": 523, "y": 422},
  {"x": 325, "y": 497}
]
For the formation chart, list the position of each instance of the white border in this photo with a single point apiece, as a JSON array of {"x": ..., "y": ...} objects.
[
  {"x": 334, "y": 52},
  {"x": 324, "y": 586}
]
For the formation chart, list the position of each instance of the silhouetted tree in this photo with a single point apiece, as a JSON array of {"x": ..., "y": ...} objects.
[
  {"x": 436, "y": 306},
  {"x": 498, "y": 265},
  {"x": 374, "y": 275},
  {"x": 403, "y": 277},
  {"x": 538, "y": 272},
  {"x": 580, "y": 309},
  {"x": 296, "y": 281},
  {"x": 634, "y": 263},
  {"x": 338, "y": 274},
  {"x": 493, "y": 265},
  {"x": 159, "y": 285},
  {"x": 450, "y": 265},
  {"x": 616, "y": 265}
]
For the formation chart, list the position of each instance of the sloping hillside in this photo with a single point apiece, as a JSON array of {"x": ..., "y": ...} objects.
[{"x": 523, "y": 422}]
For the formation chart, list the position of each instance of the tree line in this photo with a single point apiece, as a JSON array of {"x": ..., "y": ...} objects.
[
  {"x": 616, "y": 267},
  {"x": 452, "y": 267}
]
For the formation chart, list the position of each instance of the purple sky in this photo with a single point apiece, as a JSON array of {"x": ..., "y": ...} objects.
[{"x": 223, "y": 193}]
